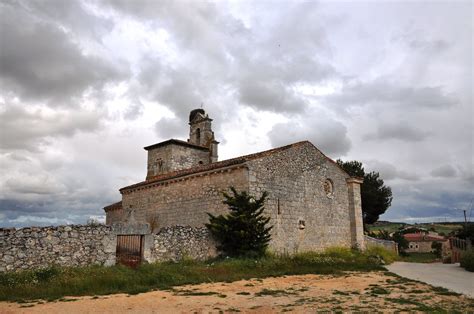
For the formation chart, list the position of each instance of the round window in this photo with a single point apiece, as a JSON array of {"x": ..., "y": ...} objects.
[{"x": 328, "y": 187}]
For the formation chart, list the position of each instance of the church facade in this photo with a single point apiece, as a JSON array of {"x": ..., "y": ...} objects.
[{"x": 313, "y": 204}]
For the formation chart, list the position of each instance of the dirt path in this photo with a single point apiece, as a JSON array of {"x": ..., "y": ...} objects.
[{"x": 300, "y": 294}]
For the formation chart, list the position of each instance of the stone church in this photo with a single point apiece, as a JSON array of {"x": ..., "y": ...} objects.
[{"x": 312, "y": 202}]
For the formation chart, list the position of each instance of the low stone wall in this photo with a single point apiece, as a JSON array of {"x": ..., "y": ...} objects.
[
  {"x": 389, "y": 245},
  {"x": 77, "y": 245},
  {"x": 178, "y": 242},
  {"x": 40, "y": 247}
]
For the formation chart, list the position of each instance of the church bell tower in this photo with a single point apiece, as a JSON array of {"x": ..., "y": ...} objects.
[{"x": 200, "y": 132}]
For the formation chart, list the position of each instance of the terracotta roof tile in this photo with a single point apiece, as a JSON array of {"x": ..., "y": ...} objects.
[{"x": 419, "y": 237}]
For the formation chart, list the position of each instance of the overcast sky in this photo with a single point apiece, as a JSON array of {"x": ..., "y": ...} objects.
[{"x": 85, "y": 85}]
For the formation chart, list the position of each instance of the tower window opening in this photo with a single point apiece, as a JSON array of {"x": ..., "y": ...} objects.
[
  {"x": 198, "y": 136},
  {"x": 159, "y": 165}
]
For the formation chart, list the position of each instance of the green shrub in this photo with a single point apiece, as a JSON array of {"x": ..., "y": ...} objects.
[
  {"x": 386, "y": 255},
  {"x": 341, "y": 252},
  {"x": 46, "y": 274},
  {"x": 467, "y": 260},
  {"x": 244, "y": 231}
]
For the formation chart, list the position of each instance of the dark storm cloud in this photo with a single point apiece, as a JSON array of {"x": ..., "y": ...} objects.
[
  {"x": 39, "y": 61},
  {"x": 179, "y": 88},
  {"x": 270, "y": 96},
  {"x": 34, "y": 192},
  {"x": 329, "y": 135},
  {"x": 188, "y": 18},
  {"x": 70, "y": 15},
  {"x": 15, "y": 213},
  {"x": 416, "y": 40},
  {"x": 398, "y": 131},
  {"x": 428, "y": 201},
  {"x": 171, "y": 128},
  {"x": 216, "y": 45},
  {"x": 39, "y": 185},
  {"x": 30, "y": 129},
  {"x": 383, "y": 92},
  {"x": 445, "y": 171},
  {"x": 392, "y": 73},
  {"x": 389, "y": 172}
]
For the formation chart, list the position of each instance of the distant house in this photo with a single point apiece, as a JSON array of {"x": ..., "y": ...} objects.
[{"x": 421, "y": 242}]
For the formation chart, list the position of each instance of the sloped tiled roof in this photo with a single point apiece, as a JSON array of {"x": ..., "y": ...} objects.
[
  {"x": 214, "y": 165},
  {"x": 113, "y": 206},
  {"x": 419, "y": 237}
]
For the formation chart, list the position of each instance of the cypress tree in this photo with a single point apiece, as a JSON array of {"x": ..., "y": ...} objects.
[{"x": 243, "y": 231}]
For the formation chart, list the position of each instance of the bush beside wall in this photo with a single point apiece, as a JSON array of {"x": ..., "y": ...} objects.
[{"x": 467, "y": 260}]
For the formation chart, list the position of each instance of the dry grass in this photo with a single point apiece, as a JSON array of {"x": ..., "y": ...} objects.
[{"x": 369, "y": 292}]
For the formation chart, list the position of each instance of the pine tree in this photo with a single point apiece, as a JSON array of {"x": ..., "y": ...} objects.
[
  {"x": 376, "y": 196},
  {"x": 243, "y": 231}
]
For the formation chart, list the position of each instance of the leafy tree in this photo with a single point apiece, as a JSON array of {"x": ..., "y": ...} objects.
[
  {"x": 376, "y": 197},
  {"x": 401, "y": 241},
  {"x": 411, "y": 230},
  {"x": 244, "y": 231},
  {"x": 380, "y": 234},
  {"x": 354, "y": 168}
]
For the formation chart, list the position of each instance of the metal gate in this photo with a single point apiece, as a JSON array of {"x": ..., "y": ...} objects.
[{"x": 129, "y": 250}]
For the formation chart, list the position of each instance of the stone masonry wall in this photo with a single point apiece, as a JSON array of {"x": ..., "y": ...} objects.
[
  {"x": 186, "y": 200},
  {"x": 178, "y": 242},
  {"x": 114, "y": 215},
  {"x": 387, "y": 244},
  {"x": 174, "y": 157},
  {"x": 355, "y": 213},
  {"x": 163, "y": 153},
  {"x": 40, "y": 247},
  {"x": 303, "y": 216},
  {"x": 186, "y": 157},
  {"x": 76, "y": 245},
  {"x": 425, "y": 246}
]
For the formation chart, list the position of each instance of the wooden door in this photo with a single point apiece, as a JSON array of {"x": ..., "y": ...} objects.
[{"x": 129, "y": 250}]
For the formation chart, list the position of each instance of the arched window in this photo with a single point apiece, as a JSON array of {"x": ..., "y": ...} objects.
[
  {"x": 198, "y": 136},
  {"x": 328, "y": 187}
]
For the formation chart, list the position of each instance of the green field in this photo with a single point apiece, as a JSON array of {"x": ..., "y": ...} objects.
[{"x": 442, "y": 228}]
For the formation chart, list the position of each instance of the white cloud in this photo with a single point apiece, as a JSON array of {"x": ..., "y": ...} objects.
[{"x": 85, "y": 85}]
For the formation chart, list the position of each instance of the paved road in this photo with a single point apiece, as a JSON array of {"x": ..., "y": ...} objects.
[{"x": 449, "y": 276}]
